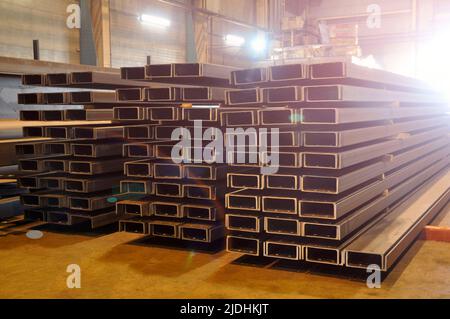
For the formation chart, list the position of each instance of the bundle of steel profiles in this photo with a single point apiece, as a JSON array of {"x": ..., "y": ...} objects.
[
  {"x": 355, "y": 145},
  {"x": 200, "y": 74},
  {"x": 183, "y": 191},
  {"x": 76, "y": 174},
  {"x": 183, "y": 199},
  {"x": 311, "y": 163}
]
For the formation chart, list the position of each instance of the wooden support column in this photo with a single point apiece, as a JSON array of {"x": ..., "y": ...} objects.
[
  {"x": 262, "y": 13},
  {"x": 201, "y": 32},
  {"x": 102, "y": 32}
]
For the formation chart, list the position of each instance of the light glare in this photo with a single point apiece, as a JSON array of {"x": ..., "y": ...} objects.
[{"x": 259, "y": 44}]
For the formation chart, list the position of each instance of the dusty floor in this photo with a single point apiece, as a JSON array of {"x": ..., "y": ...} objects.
[{"x": 114, "y": 266}]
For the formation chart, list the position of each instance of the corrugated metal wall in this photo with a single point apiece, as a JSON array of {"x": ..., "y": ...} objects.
[
  {"x": 240, "y": 10},
  {"x": 396, "y": 44},
  {"x": 21, "y": 21},
  {"x": 132, "y": 41}
]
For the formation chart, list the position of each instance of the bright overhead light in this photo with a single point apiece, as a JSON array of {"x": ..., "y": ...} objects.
[
  {"x": 234, "y": 40},
  {"x": 431, "y": 61},
  {"x": 369, "y": 62},
  {"x": 154, "y": 21},
  {"x": 259, "y": 44}
]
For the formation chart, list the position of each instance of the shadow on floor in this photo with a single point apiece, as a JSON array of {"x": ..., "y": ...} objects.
[
  {"x": 389, "y": 278},
  {"x": 15, "y": 233},
  {"x": 82, "y": 229},
  {"x": 359, "y": 275},
  {"x": 162, "y": 257},
  {"x": 181, "y": 245}
]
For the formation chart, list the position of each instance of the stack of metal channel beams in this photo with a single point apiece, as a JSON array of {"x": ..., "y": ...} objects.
[
  {"x": 183, "y": 200},
  {"x": 368, "y": 141},
  {"x": 74, "y": 177}
]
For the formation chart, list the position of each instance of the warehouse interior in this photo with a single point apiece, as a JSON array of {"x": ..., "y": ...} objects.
[{"x": 94, "y": 203}]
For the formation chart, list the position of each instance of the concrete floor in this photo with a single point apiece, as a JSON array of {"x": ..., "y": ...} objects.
[{"x": 114, "y": 266}]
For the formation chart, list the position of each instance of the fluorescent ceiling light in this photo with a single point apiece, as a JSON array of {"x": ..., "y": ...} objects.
[
  {"x": 155, "y": 21},
  {"x": 234, "y": 40}
]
